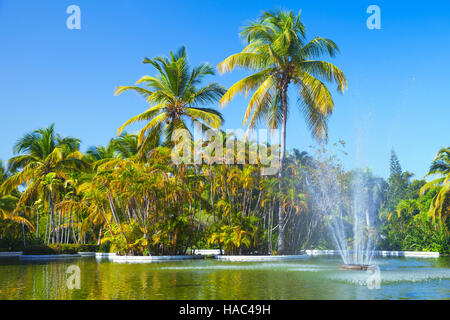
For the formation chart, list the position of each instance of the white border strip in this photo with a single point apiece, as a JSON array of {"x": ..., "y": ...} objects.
[
  {"x": 49, "y": 257},
  {"x": 208, "y": 252},
  {"x": 10, "y": 254},
  {"x": 260, "y": 258},
  {"x": 143, "y": 259},
  {"x": 382, "y": 253},
  {"x": 88, "y": 254},
  {"x": 104, "y": 255}
]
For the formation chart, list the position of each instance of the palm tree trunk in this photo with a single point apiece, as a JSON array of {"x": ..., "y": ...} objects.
[
  {"x": 72, "y": 221},
  {"x": 269, "y": 230},
  {"x": 52, "y": 218},
  {"x": 100, "y": 236},
  {"x": 66, "y": 228},
  {"x": 280, "y": 243},
  {"x": 23, "y": 232},
  {"x": 58, "y": 234},
  {"x": 37, "y": 224},
  {"x": 212, "y": 193},
  {"x": 47, "y": 223}
]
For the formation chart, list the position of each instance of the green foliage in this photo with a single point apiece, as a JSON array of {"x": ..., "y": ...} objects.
[
  {"x": 409, "y": 226},
  {"x": 85, "y": 247},
  {"x": 144, "y": 206},
  {"x": 130, "y": 198},
  {"x": 8, "y": 243},
  {"x": 243, "y": 236},
  {"x": 440, "y": 206},
  {"x": 104, "y": 247},
  {"x": 37, "y": 248}
]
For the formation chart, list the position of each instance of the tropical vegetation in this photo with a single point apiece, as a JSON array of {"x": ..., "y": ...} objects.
[
  {"x": 129, "y": 197},
  {"x": 279, "y": 55}
]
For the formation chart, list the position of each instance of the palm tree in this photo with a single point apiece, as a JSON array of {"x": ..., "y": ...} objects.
[
  {"x": 440, "y": 206},
  {"x": 43, "y": 168},
  {"x": 127, "y": 145},
  {"x": 278, "y": 56},
  {"x": 8, "y": 202},
  {"x": 98, "y": 153},
  {"x": 174, "y": 95},
  {"x": 3, "y": 173}
]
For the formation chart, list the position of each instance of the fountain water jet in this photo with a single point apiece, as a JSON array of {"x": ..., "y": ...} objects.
[{"x": 349, "y": 213}]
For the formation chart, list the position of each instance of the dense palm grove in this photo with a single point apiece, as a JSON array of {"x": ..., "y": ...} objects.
[{"x": 129, "y": 197}]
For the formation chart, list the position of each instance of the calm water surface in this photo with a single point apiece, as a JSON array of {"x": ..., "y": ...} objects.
[{"x": 314, "y": 278}]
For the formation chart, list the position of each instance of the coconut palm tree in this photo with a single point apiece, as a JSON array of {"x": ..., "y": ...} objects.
[
  {"x": 174, "y": 95},
  {"x": 440, "y": 206},
  {"x": 98, "y": 153},
  {"x": 44, "y": 166},
  {"x": 127, "y": 145},
  {"x": 279, "y": 56}
]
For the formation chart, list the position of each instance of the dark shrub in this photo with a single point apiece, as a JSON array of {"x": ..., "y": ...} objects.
[
  {"x": 104, "y": 247},
  {"x": 42, "y": 249}
]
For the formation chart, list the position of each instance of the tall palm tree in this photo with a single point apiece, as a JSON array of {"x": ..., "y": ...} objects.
[
  {"x": 44, "y": 167},
  {"x": 174, "y": 96},
  {"x": 278, "y": 56},
  {"x": 440, "y": 206}
]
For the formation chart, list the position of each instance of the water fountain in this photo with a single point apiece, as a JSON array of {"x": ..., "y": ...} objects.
[{"x": 349, "y": 214}]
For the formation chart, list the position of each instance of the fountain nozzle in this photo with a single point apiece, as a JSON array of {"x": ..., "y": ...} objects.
[{"x": 356, "y": 267}]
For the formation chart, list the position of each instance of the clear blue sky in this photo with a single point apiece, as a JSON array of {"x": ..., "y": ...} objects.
[{"x": 398, "y": 76}]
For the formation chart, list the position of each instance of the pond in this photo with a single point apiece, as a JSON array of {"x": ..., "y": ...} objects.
[{"x": 312, "y": 278}]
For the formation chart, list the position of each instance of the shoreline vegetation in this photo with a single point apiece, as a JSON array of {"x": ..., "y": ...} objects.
[
  {"x": 130, "y": 198},
  {"x": 95, "y": 251}
]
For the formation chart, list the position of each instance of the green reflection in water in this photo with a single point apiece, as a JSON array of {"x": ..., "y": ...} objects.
[{"x": 315, "y": 278}]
